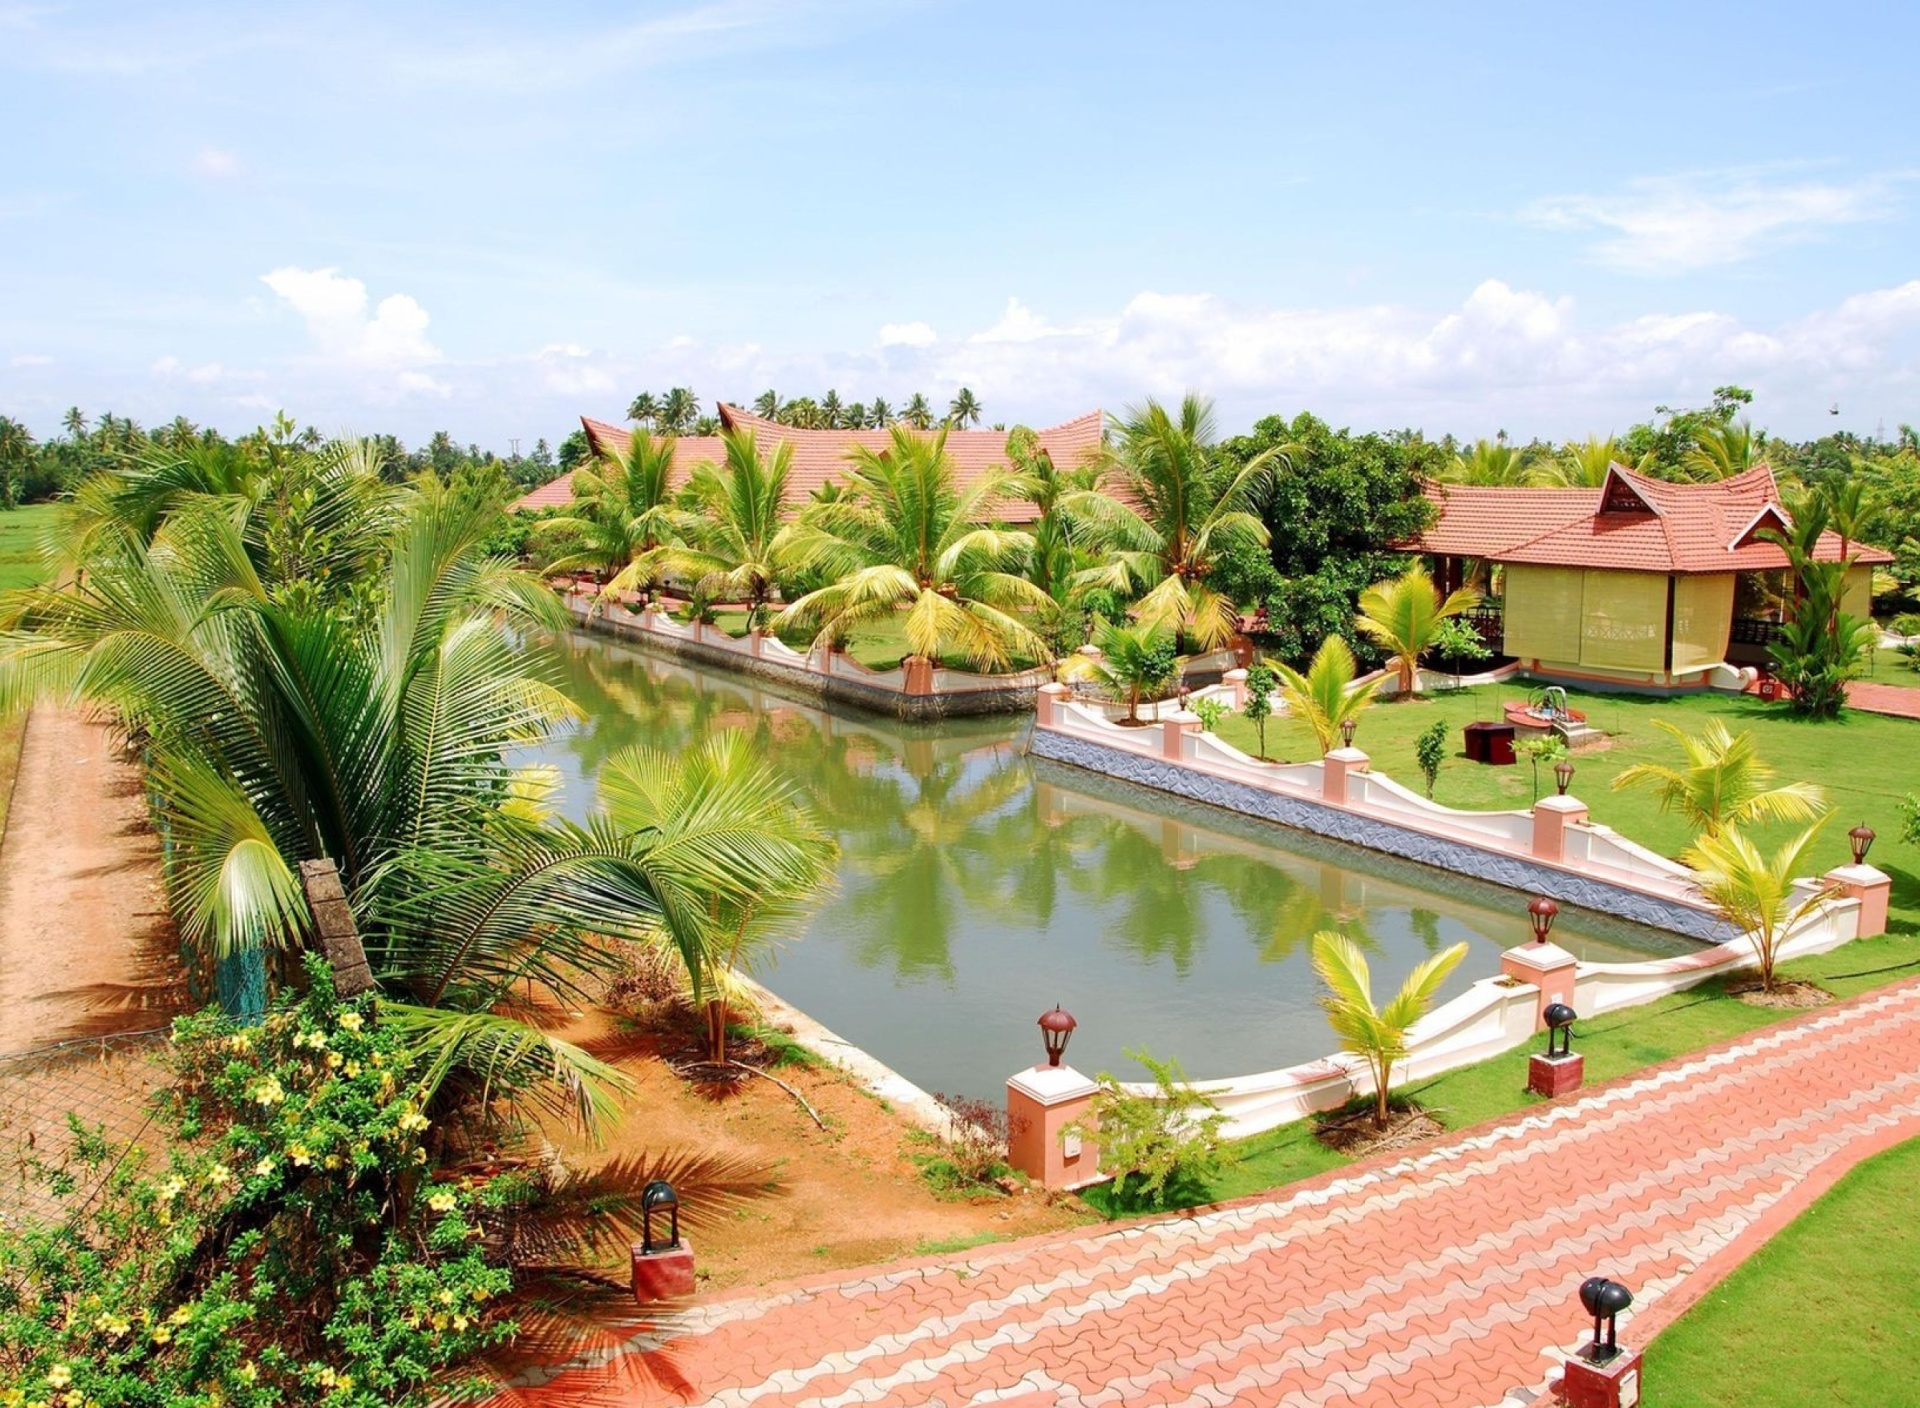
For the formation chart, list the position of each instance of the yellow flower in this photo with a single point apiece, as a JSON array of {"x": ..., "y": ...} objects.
[
  {"x": 442, "y": 1202},
  {"x": 263, "y": 1168},
  {"x": 181, "y": 1315},
  {"x": 331, "y": 1161},
  {"x": 479, "y": 1292},
  {"x": 352, "y": 1021},
  {"x": 353, "y": 1069},
  {"x": 460, "y": 1322},
  {"x": 324, "y": 1378},
  {"x": 219, "y": 1175},
  {"x": 440, "y": 1322},
  {"x": 173, "y": 1188},
  {"x": 59, "y": 1376},
  {"x": 344, "y": 1383},
  {"x": 161, "y": 1334},
  {"x": 445, "y": 1297},
  {"x": 239, "y": 1041},
  {"x": 268, "y": 1092},
  {"x": 247, "y": 1372},
  {"x": 419, "y": 1156},
  {"x": 375, "y": 1058},
  {"x": 109, "y": 1324},
  {"x": 334, "y": 1058},
  {"x": 300, "y": 1154},
  {"x": 413, "y": 1119}
]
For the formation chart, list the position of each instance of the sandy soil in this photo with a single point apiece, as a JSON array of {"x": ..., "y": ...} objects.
[
  {"x": 86, "y": 945},
  {"x": 849, "y": 1196}
]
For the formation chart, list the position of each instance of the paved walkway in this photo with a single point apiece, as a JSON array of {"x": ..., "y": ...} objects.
[
  {"x": 1901, "y": 701},
  {"x": 1448, "y": 1277}
]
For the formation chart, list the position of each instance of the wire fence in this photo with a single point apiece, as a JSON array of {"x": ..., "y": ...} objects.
[{"x": 105, "y": 1084}]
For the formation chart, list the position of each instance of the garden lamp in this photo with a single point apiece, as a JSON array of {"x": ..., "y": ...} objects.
[
  {"x": 1541, "y": 914},
  {"x": 1055, "y": 1027},
  {"x": 1861, "y": 839},
  {"x": 1347, "y": 727},
  {"x": 1563, "y": 775},
  {"x": 658, "y": 1196},
  {"x": 1559, "y": 1019},
  {"x": 1603, "y": 1300}
]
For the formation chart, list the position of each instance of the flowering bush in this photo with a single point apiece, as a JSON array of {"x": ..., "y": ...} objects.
[{"x": 294, "y": 1249}]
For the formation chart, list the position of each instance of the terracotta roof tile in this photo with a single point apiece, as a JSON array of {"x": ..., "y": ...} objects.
[{"x": 820, "y": 456}]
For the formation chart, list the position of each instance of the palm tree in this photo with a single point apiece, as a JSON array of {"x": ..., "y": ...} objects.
[
  {"x": 1579, "y": 465},
  {"x": 963, "y": 410},
  {"x": 1184, "y": 509},
  {"x": 721, "y": 796},
  {"x": 1723, "y": 782},
  {"x": 623, "y": 514},
  {"x": 1377, "y": 1035},
  {"x": 907, "y": 541},
  {"x": 803, "y": 413},
  {"x": 917, "y": 412},
  {"x": 1058, "y": 555},
  {"x": 855, "y": 416},
  {"x": 1325, "y": 696},
  {"x": 678, "y": 410},
  {"x": 1491, "y": 462},
  {"x": 1134, "y": 661},
  {"x": 280, "y": 733},
  {"x": 1753, "y": 892},
  {"x": 879, "y": 413},
  {"x": 738, "y": 544},
  {"x": 831, "y": 411},
  {"x": 1722, "y": 451},
  {"x": 767, "y": 404},
  {"x": 644, "y": 409},
  {"x": 1405, "y": 616}
]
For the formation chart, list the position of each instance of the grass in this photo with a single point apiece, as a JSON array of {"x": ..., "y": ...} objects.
[
  {"x": 1891, "y": 667},
  {"x": 1848, "y": 757},
  {"x": 879, "y": 647},
  {"x": 1615, "y": 1045},
  {"x": 964, "y": 1242},
  {"x": 1826, "y": 1312},
  {"x": 20, "y": 531}
]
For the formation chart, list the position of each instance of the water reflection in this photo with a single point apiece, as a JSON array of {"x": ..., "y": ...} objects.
[{"x": 978, "y": 886}]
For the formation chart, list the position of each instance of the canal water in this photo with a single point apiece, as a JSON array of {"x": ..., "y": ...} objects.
[{"x": 977, "y": 887}]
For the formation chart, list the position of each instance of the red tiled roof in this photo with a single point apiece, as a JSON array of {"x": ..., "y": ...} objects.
[
  {"x": 1633, "y": 523},
  {"x": 820, "y": 456}
]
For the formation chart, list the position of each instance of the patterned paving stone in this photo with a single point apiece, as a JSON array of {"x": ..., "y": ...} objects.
[{"x": 1444, "y": 1277}]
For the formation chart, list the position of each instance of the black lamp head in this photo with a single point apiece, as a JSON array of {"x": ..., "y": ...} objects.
[
  {"x": 1603, "y": 1299},
  {"x": 1558, "y": 1015},
  {"x": 659, "y": 1197}
]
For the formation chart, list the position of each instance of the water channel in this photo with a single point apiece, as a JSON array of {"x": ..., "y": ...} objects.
[{"x": 978, "y": 887}]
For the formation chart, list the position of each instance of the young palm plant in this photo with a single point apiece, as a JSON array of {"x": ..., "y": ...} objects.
[
  {"x": 1722, "y": 783},
  {"x": 739, "y": 544},
  {"x": 1405, "y": 616},
  {"x": 1184, "y": 508},
  {"x": 1134, "y": 661},
  {"x": 1325, "y": 696},
  {"x": 906, "y": 542},
  {"x": 1376, "y": 1034},
  {"x": 623, "y": 515},
  {"x": 1754, "y": 892}
]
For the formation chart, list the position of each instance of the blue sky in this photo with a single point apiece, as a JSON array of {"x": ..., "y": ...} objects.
[{"x": 492, "y": 218}]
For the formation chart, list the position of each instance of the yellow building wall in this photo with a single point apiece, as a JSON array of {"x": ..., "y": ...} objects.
[
  {"x": 1623, "y": 621},
  {"x": 1542, "y": 612},
  {"x": 1702, "y": 620},
  {"x": 1856, "y": 599}
]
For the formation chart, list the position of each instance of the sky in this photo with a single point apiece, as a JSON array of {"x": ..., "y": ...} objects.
[{"x": 492, "y": 218}]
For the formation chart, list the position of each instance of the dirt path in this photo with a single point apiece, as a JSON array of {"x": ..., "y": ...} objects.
[{"x": 86, "y": 945}]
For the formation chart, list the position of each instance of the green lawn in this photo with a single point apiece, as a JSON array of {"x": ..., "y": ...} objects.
[
  {"x": 1863, "y": 760},
  {"x": 1828, "y": 1312},
  {"x": 20, "y": 529},
  {"x": 1890, "y": 667},
  {"x": 878, "y": 647}
]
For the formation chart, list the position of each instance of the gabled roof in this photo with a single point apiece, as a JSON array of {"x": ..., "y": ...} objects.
[
  {"x": 820, "y": 456},
  {"x": 1632, "y": 523}
]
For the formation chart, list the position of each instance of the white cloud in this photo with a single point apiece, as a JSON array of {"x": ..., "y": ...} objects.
[
  {"x": 334, "y": 307},
  {"x": 906, "y": 335},
  {"x": 30, "y": 359},
  {"x": 213, "y": 164},
  {"x": 1671, "y": 224}
]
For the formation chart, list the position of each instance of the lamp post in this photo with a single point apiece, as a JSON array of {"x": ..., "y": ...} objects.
[
  {"x": 1559, "y": 1019},
  {"x": 1347, "y": 727},
  {"x": 659, "y": 1197},
  {"x": 662, "y": 1264},
  {"x": 1604, "y": 1300},
  {"x": 1541, "y": 914},
  {"x": 1056, "y": 1028},
  {"x": 1603, "y": 1375},
  {"x": 1563, "y": 775},
  {"x": 1861, "y": 839}
]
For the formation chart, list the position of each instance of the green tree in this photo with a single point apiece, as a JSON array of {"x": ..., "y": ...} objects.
[
  {"x": 918, "y": 413},
  {"x": 1179, "y": 507},
  {"x": 1722, "y": 783},
  {"x": 879, "y": 413},
  {"x": 1722, "y": 451},
  {"x": 964, "y": 410},
  {"x": 1579, "y": 464},
  {"x": 832, "y": 413},
  {"x": 738, "y": 544},
  {"x": 1377, "y": 1035},
  {"x": 767, "y": 404},
  {"x": 1161, "y": 1146},
  {"x": 1752, "y": 891},
  {"x": 644, "y": 409},
  {"x": 1262, "y": 681},
  {"x": 1821, "y": 648},
  {"x": 623, "y": 515},
  {"x": 1430, "y": 751},
  {"x": 1135, "y": 662},
  {"x": 905, "y": 541},
  {"x": 1492, "y": 462},
  {"x": 1325, "y": 696},
  {"x": 1405, "y": 616}
]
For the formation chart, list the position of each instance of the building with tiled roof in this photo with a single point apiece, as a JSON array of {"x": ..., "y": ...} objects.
[
  {"x": 1641, "y": 583},
  {"x": 820, "y": 456}
]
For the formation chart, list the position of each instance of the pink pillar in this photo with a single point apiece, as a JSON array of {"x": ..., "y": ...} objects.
[
  {"x": 1551, "y": 818},
  {"x": 919, "y": 674},
  {"x": 754, "y": 638},
  {"x": 1872, "y": 888},
  {"x": 1336, "y": 768},
  {"x": 1041, "y": 1103},
  {"x": 1047, "y": 702},
  {"x": 1236, "y": 680},
  {"x": 1173, "y": 729},
  {"x": 1547, "y": 967},
  {"x": 663, "y": 1275}
]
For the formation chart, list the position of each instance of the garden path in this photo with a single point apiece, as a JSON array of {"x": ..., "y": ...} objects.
[
  {"x": 1900, "y": 701},
  {"x": 86, "y": 944},
  {"x": 1447, "y": 1276}
]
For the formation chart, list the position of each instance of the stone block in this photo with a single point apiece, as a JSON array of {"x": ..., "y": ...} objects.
[
  {"x": 1554, "y": 1076},
  {"x": 663, "y": 1275},
  {"x": 1615, "y": 1384}
]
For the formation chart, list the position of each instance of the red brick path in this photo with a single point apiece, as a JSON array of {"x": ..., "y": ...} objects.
[
  {"x": 1901, "y": 701},
  {"x": 1447, "y": 1277}
]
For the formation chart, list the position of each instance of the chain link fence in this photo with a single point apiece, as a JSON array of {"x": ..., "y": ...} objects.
[{"x": 107, "y": 1084}]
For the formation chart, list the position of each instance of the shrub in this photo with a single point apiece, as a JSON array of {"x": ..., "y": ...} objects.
[
  {"x": 1262, "y": 681},
  {"x": 1158, "y": 1147},
  {"x": 1209, "y": 712},
  {"x": 1430, "y": 750},
  {"x": 1910, "y": 819},
  {"x": 975, "y": 1147}
]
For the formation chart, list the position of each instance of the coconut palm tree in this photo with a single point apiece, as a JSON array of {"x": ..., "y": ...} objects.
[
  {"x": 1579, "y": 465},
  {"x": 832, "y": 413},
  {"x": 738, "y": 543},
  {"x": 1752, "y": 891},
  {"x": 1723, "y": 782},
  {"x": 1722, "y": 451},
  {"x": 644, "y": 409},
  {"x": 1059, "y": 552},
  {"x": 879, "y": 413},
  {"x": 1183, "y": 508},
  {"x": 720, "y": 795},
  {"x": 1491, "y": 462},
  {"x": 855, "y": 416},
  {"x": 1378, "y": 1035},
  {"x": 679, "y": 408},
  {"x": 964, "y": 409},
  {"x": 623, "y": 514},
  {"x": 1325, "y": 696},
  {"x": 917, "y": 412},
  {"x": 1134, "y": 661},
  {"x": 1405, "y": 616},
  {"x": 907, "y": 541},
  {"x": 767, "y": 404}
]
